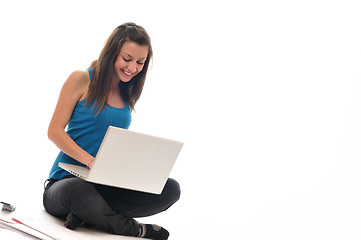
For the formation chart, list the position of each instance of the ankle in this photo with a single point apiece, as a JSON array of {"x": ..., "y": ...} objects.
[
  {"x": 72, "y": 221},
  {"x": 152, "y": 231}
]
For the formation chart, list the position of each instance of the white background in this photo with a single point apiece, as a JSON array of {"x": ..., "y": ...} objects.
[{"x": 264, "y": 94}]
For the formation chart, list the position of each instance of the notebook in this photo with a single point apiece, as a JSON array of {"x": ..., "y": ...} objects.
[{"x": 131, "y": 160}]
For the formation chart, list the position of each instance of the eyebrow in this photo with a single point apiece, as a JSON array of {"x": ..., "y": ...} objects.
[{"x": 132, "y": 56}]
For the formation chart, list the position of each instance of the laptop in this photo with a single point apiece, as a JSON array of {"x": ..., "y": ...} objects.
[{"x": 130, "y": 160}]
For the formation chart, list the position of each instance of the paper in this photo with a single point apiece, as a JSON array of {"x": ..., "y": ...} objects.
[{"x": 12, "y": 228}]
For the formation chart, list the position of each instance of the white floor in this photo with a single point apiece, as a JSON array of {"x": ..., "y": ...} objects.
[
  {"x": 39, "y": 219},
  {"x": 266, "y": 98}
]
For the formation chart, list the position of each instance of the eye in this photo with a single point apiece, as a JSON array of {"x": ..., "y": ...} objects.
[
  {"x": 140, "y": 63},
  {"x": 127, "y": 60}
]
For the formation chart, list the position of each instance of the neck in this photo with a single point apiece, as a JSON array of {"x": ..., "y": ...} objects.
[{"x": 115, "y": 84}]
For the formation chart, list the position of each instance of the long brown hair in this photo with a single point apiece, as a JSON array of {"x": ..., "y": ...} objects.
[{"x": 103, "y": 68}]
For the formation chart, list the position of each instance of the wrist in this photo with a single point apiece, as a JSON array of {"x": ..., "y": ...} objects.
[
  {"x": 90, "y": 163},
  {"x": 87, "y": 159}
]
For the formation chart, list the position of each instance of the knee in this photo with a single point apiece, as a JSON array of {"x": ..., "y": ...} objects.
[{"x": 172, "y": 190}]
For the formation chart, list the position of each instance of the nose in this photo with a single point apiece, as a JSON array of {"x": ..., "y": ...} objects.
[{"x": 132, "y": 67}]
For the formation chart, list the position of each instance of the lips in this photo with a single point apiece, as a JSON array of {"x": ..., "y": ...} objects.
[{"x": 126, "y": 73}]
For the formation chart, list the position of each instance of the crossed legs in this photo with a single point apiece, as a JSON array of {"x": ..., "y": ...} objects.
[{"x": 108, "y": 208}]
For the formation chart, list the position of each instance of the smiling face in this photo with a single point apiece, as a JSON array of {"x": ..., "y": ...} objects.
[{"x": 130, "y": 61}]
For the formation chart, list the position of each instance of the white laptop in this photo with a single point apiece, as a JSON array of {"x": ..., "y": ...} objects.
[{"x": 130, "y": 160}]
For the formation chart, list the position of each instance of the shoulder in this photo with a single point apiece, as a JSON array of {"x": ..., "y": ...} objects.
[
  {"x": 79, "y": 77},
  {"x": 77, "y": 83}
]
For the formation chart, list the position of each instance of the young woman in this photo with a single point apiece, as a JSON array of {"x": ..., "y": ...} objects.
[{"x": 89, "y": 102}]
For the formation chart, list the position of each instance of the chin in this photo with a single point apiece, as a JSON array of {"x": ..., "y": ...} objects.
[
  {"x": 124, "y": 78},
  {"x": 125, "y": 81}
]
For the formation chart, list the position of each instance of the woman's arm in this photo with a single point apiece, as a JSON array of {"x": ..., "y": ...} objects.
[{"x": 72, "y": 91}]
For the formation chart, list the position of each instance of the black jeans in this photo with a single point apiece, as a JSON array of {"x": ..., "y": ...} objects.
[{"x": 107, "y": 208}]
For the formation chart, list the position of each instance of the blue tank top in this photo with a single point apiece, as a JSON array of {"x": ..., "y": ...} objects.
[{"x": 88, "y": 129}]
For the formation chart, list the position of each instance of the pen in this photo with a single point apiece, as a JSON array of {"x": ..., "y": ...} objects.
[
  {"x": 18, "y": 221},
  {"x": 9, "y": 225}
]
